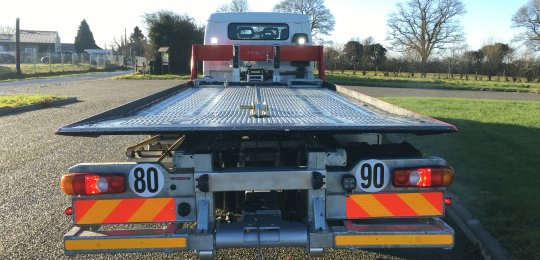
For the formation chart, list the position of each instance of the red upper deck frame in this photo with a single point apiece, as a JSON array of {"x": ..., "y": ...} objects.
[{"x": 256, "y": 53}]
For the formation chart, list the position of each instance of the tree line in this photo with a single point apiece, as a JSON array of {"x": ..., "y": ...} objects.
[
  {"x": 424, "y": 36},
  {"x": 491, "y": 60}
]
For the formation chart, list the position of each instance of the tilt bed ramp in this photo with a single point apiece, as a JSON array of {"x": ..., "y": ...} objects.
[
  {"x": 259, "y": 165},
  {"x": 259, "y": 153}
]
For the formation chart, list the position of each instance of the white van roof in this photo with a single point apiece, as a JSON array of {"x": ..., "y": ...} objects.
[{"x": 258, "y": 17}]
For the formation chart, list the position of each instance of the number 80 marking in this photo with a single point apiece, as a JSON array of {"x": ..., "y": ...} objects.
[{"x": 146, "y": 180}]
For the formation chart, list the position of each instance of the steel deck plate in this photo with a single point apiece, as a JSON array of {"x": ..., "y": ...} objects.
[{"x": 217, "y": 109}]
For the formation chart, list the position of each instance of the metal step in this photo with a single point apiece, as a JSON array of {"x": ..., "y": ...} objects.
[
  {"x": 433, "y": 233},
  {"x": 81, "y": 241},
  {"x": 261, "y": 229}
]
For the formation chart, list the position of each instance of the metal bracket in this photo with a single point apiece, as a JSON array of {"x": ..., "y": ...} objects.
[
  {"x": 130, "y": 151},
  {"x": 173, "y": 147},
  {"x": 319, "y": 214},
  {"x": 202, "y": 183},
  {"x": 317, "y": 180},
  {"x": 205, "y": 255},
  {"x": 202, "y": 216}
]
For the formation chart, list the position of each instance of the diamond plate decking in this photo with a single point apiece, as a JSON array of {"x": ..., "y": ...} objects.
[{"x": 217, "y": 109}]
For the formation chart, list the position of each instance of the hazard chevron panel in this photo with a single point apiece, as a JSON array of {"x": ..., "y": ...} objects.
[
  {"x": 118, "y": 211},
  {"x": 380, "y": 205}
]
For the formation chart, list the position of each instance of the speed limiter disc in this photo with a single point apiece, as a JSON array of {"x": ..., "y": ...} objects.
[
  {"x": 372, "y": 175},
  {"x": 146, "y": 180}
]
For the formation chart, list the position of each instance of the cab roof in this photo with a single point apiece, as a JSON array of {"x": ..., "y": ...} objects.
[{"x": 258, "y": 17}]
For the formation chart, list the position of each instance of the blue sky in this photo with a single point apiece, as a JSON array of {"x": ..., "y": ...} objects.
[{"x": 486, "y": 20}]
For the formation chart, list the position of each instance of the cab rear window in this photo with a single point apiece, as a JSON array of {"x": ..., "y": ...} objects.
[{"x": 258, "y": 31}]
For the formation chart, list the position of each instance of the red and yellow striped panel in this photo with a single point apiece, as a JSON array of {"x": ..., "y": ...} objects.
[
  {"x": 378, "y": 205},
  {"x": 118, "y": 211}
]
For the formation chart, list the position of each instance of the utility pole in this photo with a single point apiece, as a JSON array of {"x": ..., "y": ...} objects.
[
  {"x": 125, "y": 43},
  {"x": 18, "y": 48}
]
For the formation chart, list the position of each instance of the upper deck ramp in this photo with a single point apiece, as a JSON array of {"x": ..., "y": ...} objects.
[{"x": 188, "y": 109}]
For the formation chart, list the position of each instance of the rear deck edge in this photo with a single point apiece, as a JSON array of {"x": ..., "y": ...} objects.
[
  {"x": 126, "y": 109},
  {"x": 387, "y": 107}
]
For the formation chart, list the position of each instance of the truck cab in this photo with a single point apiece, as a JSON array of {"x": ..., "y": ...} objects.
[{"x": 263, "y": 29}]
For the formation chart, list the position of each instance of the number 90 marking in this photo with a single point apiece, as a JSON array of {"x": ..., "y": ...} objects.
[
  {"x": 372, "y": 175},
  {"x": 146, "y": 180}
]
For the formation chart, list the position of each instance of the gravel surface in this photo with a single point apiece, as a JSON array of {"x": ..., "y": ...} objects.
[{"x": 33, "y": 159}]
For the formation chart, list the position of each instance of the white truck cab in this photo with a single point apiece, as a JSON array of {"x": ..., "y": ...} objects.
[{"x": 263, "y": 29}]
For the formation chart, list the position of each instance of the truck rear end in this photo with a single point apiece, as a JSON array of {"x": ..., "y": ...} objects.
[{"x": 259, "y": 153}]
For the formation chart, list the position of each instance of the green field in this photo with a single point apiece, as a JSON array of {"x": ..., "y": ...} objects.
[
  {"x": 496, "y": 157},
  {"x": 23, "y": 100},
  {"x": 140, "y": 76},
  {"x": 432, "y": 81}
]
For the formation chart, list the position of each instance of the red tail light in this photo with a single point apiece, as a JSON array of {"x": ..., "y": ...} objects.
[
  {"x": 448, "y": 201},
  {"x": 92, "y": 184},
  {"x": 424, "y": 177}
]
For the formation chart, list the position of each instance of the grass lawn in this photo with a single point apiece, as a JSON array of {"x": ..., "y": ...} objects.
[
  {"x": 431, "y": 81},
  {"x": 496, "y": 156},
  {"x": 10, "y": 101},
  {"x": 140, "y": 76}
]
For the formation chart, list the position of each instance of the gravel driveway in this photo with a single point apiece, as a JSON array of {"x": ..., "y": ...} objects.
[{"x": 33, "y": 158}]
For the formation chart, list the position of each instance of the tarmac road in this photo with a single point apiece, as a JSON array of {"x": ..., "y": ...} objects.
[
  {"x": 412, "y": 92},
  {"x": 33, "y": 159},
  {"x": 51, "y": 80}
]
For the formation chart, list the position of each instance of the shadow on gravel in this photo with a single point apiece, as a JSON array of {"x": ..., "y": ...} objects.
[{"x": 22, "y": 109}]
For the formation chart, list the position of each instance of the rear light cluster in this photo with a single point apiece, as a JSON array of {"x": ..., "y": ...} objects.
[
  {"x": 424, "y": 177},
  {"x": 92, "y": 184}
]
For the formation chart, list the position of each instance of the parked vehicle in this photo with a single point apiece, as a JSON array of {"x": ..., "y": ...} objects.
[
  {"x": 7, "y": 58},
  {"x": 59, "y": 57},
  {"x": 259, "y": 153}
]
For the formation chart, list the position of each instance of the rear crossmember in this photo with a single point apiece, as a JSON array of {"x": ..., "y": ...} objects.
[{"x": 263, "y": 230}]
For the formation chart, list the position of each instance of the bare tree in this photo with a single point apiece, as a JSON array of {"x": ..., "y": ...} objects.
[
  {"x": 472, "y": 61},
  {"x": 528, "y": 18},
  {"x": 366, "y": 53},
  {"x": 331, "y": 56},
  {"x": 494, "y": 55},
  {"x": 527, "y": 65},
  {"x": 453, "y": 59},
  {"x": 237, "y": 6},
  {"x": 378, "y": 56},
  {"x": 353, "y": 51},
  {"x": 411, "y": 60},
  {"x": 7, "y": 29},
  {"x": 425, "y": 26},
  {"x": 322, "y": 21}
]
